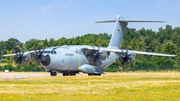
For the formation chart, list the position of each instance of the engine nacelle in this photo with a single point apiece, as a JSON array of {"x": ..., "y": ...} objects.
[
  {"x": 26, "y": 56},
  {"x": 132, "y": 57},
  {"x": 104, "y": 54}
]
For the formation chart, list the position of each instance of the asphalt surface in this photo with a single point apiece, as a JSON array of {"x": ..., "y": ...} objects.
[
  {"x": 20, "y": 75},
  {"x": 29, "y": 75}
]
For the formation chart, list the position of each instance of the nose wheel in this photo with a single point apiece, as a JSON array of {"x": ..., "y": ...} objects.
[{"x": 53, "y": 73}]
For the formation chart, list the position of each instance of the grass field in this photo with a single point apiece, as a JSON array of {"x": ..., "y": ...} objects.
[{"x": 149, "y": 86}]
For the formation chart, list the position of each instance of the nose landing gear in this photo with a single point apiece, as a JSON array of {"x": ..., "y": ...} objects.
[{"x": 53, "y": 73}]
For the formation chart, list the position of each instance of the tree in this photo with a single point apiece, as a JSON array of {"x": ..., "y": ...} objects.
[
  {"x": 51, "y": 42},
  {"x": 2, "y": 48},
  {"x": 31, "y": 42},
  {"x": 45, "y": 43},
  {"x": 11, "y": 43},
  {"x": 170, "y": 48}
]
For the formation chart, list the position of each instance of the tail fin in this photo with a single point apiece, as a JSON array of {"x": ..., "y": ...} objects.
[{"x": 119, "y": 30}]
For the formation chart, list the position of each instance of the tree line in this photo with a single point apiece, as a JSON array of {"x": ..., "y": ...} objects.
[{"x": 164, "y": 41}]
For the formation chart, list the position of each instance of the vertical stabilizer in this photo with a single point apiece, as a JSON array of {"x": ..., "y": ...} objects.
[
  {"x": 118, "y": 33},
  {"x": 119, "y": 30}
]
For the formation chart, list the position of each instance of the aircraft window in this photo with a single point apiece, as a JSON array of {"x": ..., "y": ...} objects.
[{"x": 52, "y": 52}]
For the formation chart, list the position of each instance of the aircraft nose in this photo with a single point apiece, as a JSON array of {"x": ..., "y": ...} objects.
[{"x": 45, "y": 60}]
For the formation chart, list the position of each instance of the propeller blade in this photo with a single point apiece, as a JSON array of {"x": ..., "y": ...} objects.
[
  {"x": 135, "y": 54},
  {"x": 129, "y": 47},
  {"x": 10, "y": 59},
  {"x": 121, "y": 46},
  {"x": 86, "y": 52},
  {"x": 17, "y": 46},
  {"x": 33, "y": 47},
  {"x": 24, "y": 47},
  {"x": 134, "y": 63},
  {"x": 128, "y": 66},
  {"x": 46, "y": 46},
  {"x": 28, "y": 62},
  {"x": 98, "y": 44},
  {"x": 40, "y": 44},
  {"x": 11, "y": 51}
]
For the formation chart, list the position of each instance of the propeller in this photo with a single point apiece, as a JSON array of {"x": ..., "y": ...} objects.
[
  {"x": 39, "y": 51},
  {"x": 93, "y": 56},
  {"x": 31, "y": 55},
  {"x": 129, "y": 47},
  {"x": 19, "y": 54},
  {"x": 125, "y": 58},
  {"x": 97, "y": 54},
  {"x": 134, "y": 60},
  {"x": 44, "y": 60},
  {"x": 10, "y": 56}
]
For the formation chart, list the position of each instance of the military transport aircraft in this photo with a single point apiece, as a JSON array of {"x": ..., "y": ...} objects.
[{"x": 72, "y": 59}]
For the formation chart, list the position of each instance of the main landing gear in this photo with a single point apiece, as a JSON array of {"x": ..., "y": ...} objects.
[
  {"x": 69, "y": 74},
  {"x": 53, "y": 73},
  {"x": 94, "y": 74}
]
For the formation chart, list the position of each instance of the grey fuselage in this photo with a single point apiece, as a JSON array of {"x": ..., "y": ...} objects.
[{"x": 71, "y": 57}]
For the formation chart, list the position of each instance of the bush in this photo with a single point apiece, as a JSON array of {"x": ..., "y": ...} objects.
[
  {"x": 3, "y": 60},
  {"x": 1, "y": 68},
  {"x": 24, "y": 68}
]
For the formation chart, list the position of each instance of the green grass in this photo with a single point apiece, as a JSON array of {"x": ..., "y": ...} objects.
[
  {"x": 2, "y": 64},
  {"x": 115, "y": 87}
]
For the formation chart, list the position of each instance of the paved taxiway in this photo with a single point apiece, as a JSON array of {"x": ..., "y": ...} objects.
[
  {"x": 23, "y": 75},
  {"x": 28, "y": 75}
]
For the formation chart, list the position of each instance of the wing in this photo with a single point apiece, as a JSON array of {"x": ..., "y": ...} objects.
[
  {"x": 13, "y": 54},
  {"x": 137, "y": 52}
]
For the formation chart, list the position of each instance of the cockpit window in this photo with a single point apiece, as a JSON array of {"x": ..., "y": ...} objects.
[
  {"x": 46, "y": 51},
  {"x": 50, "y": 52}
]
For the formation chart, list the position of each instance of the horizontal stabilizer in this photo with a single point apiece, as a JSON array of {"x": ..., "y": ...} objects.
[
  {"x": 124, "y": 20},
  {"x": 110, "y": 21}
]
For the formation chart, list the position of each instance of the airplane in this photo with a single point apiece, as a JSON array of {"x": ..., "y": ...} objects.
[{"x": 72, "y": 59}]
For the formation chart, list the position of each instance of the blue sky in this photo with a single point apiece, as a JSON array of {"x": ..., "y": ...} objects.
[{"x": 41, "y": 19}]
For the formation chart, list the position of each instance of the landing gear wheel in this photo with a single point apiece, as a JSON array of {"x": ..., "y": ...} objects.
[
  {"x": 94, "y": 74},
  {"x": 97, "y": 74},
  {"x": 64, "y": 74},
  {"x": 73, "y": 74},
  {"x": 53, "y": 73},
  {"x": 69, "y": 74},
  {"x": 89, "y": 74}
]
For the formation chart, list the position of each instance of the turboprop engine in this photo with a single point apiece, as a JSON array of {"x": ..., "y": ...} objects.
[
  {"x": 132, "y": 57},
  {"x": 127, "y": 57},
  {"x": 103, "y": 55},
  {"x": 86, "y": 68}
]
